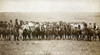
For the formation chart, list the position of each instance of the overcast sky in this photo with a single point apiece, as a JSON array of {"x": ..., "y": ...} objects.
[{"x": 49, "y": 5}]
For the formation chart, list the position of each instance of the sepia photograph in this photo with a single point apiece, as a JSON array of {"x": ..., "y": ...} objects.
[{"x": 49, "y": 27}]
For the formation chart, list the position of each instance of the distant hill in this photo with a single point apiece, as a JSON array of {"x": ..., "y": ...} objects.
[{"x": 52, "y": 16}]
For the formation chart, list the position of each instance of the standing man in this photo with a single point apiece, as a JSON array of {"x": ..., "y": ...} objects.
[
  {"x": 94, "y": 29},
  {"x": 99, "y": 33},
  {"x": 21, "y": 33},
  {"x": 69, "y": 33},
  {"x": 15, "y": 33},
  {"x": 4, "y": 33},
  {"x": 0, "y": 32},
  {"x": 42, "y": 31},
  {"x": 90, "y": 26},
  {"x": 90, "y": 34},
  {"x": 9, "y": 32},
  {"x": 89, "y": 29},
  {"x": 17, "y": 26},
  {"x": 95, "y": 26},
  {"x": 10, "y": 24},
  {"x": 84, "y": 30}
]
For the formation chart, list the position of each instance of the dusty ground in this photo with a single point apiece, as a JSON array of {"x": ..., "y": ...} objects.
[{"x": 49, "y": 47}]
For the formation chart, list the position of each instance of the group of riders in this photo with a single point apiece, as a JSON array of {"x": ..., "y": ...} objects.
[{"x": 25, "y": 30}]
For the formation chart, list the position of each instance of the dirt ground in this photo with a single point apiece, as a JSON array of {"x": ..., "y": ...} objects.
[{"x": 49, "y": 47}]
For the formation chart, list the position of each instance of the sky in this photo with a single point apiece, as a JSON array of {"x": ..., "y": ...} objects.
[{"x": 49, "y": 5}]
